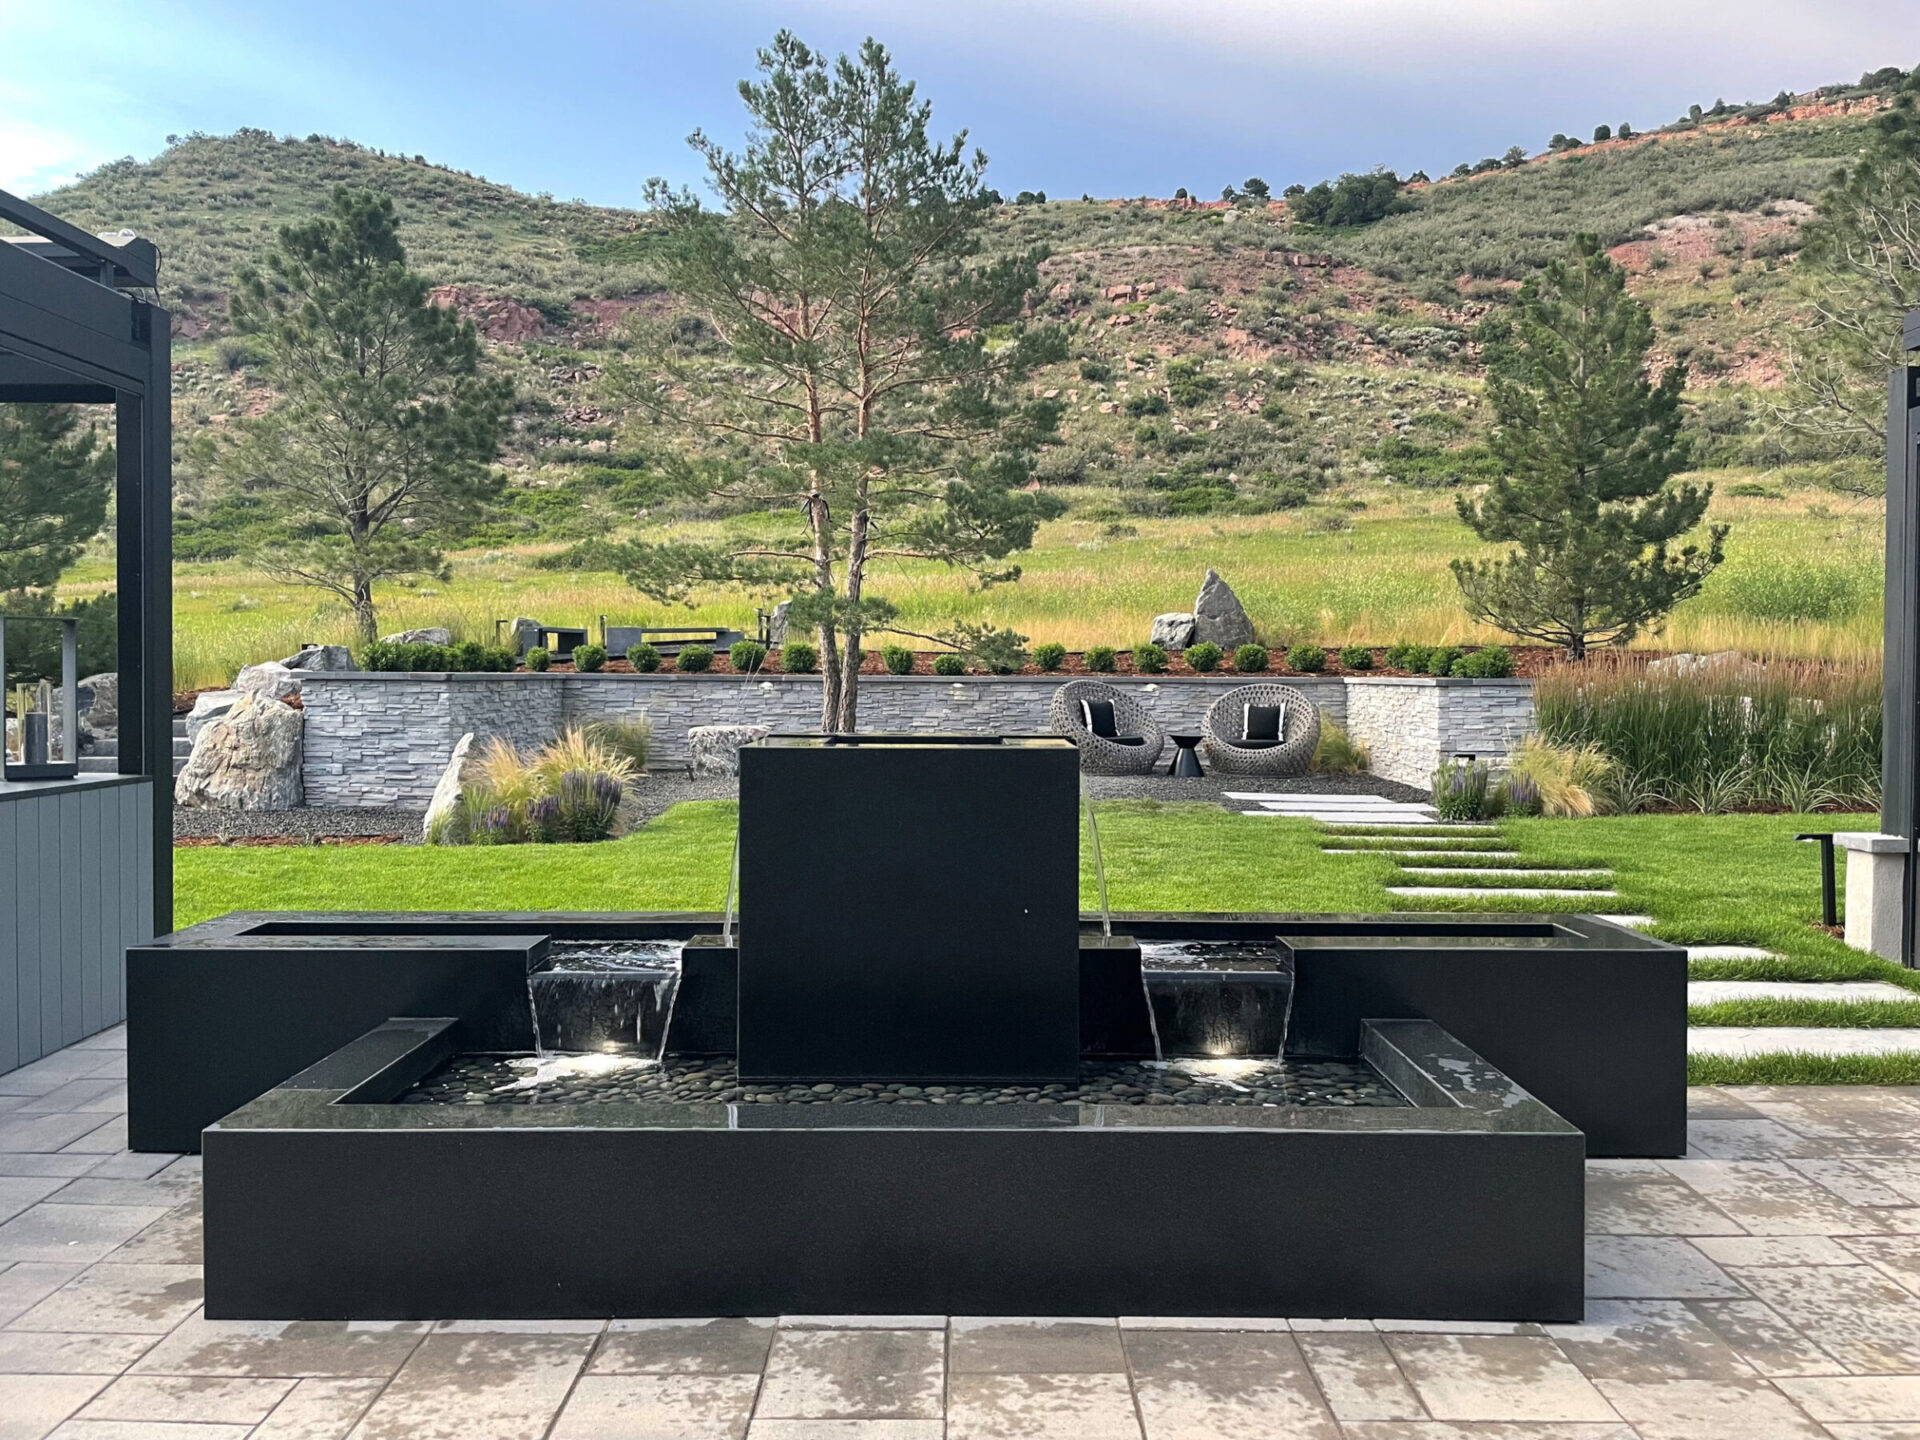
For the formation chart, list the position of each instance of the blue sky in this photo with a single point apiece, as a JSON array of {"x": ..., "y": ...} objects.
[{"x": 587, "y": 98}]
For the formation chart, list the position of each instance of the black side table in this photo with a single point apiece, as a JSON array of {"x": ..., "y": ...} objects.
[{"x": 1186, "y": 758}]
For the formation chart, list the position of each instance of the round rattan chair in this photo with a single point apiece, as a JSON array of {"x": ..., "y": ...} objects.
[
  {"x": 1099, "y": 755},
  {"x": 1299, "y": 730}
]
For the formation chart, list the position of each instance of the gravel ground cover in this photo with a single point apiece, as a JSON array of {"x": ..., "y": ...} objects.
[
  {"x": 307, "y": 823},
  {"x": 609, "y": 1079}
]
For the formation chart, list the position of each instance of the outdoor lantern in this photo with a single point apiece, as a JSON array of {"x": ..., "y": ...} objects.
[{"x": 43, "y": 724}]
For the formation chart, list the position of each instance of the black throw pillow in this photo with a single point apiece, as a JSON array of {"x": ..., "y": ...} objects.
[
  {"x": 1098, "y": 716},
  {"x": 1260, "y": 722}
]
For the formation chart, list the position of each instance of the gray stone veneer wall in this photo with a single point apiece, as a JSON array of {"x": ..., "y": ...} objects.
[{"x": 383, "y": 739}]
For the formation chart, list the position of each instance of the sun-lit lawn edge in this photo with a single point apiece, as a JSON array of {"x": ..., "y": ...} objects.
[
  {"x": 1825, "y": 1014},
  {"x": 1797, "y": 1068}
]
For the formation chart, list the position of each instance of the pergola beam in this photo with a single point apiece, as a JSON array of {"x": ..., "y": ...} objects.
[{"x": 136, "y": 264}]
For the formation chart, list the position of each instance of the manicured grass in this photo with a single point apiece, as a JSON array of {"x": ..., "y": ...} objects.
[
  {"x": 1801, "y": 1069},
  {"x": 1827, "y": 1014}
]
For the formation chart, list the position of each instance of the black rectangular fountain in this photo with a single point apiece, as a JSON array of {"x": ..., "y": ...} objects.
[{"x": 909, "y": 908}]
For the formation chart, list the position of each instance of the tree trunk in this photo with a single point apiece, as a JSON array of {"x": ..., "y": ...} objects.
[{"x": 364, "y": 620}]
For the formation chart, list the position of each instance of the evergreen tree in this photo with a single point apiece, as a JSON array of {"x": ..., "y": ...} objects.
[
  {"x": 1588, "y": 446},
  {"x": 381, "y": 434},
  {"x": 1860, "y": 272},
  {"x": 865, "y": 404},
  {"x": 55, "y": 479}
]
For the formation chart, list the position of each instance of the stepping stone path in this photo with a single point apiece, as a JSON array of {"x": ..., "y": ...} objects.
[{"x": 1356, "y": 823}]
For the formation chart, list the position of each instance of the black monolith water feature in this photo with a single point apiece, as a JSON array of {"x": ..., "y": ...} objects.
[{"x": 909, "y": 909}]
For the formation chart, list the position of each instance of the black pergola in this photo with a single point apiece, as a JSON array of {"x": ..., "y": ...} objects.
[{"x": 70, "y": 334}]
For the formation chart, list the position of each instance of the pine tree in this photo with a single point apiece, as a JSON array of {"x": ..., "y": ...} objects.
[
  {"x": 862, "y": 401},
  {"x": 1588, "y": 446},
  {"x": 382, "y": 430},
  {"x": 55, "y": 478}
]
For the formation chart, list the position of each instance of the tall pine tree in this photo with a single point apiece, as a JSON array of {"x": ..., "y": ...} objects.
[
  {"x": 383, "y": 427},
  {"x": 1589, "y": 446}
]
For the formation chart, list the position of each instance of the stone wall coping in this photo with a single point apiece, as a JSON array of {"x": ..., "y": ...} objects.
[
  {"x": 1868, "y": 843},
  {"x": 704, "y": 678}
]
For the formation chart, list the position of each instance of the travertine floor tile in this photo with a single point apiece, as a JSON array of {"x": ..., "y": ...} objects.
[
  {"x": 1043, "y": 1407},
  {"x": 1760, "y": 1337},
  {"x": 73, "y": 1233},
  {"x": 853, "y": 1375},
  {"x": 78, "y": 1429},
  {"x": 108, "y": 1139},
  {"x": 44, "y": 1134},
  {"x": 1716, "y": 1138},
  {"x": 1033, "y": 1347},
  {"x": 123, "y": 1299},
  {"x": 1359, "y": 1377},
  {"x": 1859, "y": 1397},
  {"x": 776, "y": 1429},
  {"x": 1638, "y": 1204},
  {"x": 1647, "y": 1341},
  {"x": 477, "y": 1387},
  {"x": 1724, "y": 1408},
  {"x": 295, "y": 1349},
  {"x": 163, "y": 1190},
  {"x": 1895, "y": 1256},
  {"x": 657, "y": 1407},
  {"x": 200, "y": 1399},
  {"x": 19, "y": 1192},
  {"x": 1774, "y": 1250},
  {"x": 691, "y": 1347},
  {"x": 1195, "y": 1384},
  {"x": 1443, "y": 1430},
  {"x": 1657, "y": 1267},
  {"x": 36, "y": 1352},
  {"x": 1851, "y": 1183},
  {"x": 1854, "y": 1313},
  {"x": 97, "y": 1093},
  {"x": 1496, "y": 1377},
  {"x": 318, "y": 1410},
  {"x": 176, "y": 1238},
  {"x": 1770, "y": 1197},
  {"x": 25, "y": 1285},
  {"x": 32, "y": 1405}
]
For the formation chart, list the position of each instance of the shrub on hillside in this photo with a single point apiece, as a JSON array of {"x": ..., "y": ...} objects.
[
  {"x": 1250, "y": 659},
  {"x": 643, "y": 657},
  {"x": 1204, "y": 657},
  {"x": 897, "y": 658}
]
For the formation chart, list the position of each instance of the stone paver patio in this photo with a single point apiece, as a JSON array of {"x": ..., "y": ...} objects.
[{"x": 1766, "y": 1286}]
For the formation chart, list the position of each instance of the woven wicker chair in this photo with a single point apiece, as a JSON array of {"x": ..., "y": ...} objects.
[
  {"x": 1098, "y": 755},
  {"x": 1299, "y": 730}
]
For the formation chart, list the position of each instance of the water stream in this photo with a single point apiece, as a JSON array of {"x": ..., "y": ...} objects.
[{"x": 1099, "y": 865}]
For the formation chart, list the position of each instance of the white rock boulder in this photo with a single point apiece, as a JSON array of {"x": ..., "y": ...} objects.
[
  {"x": 431, "y": 635},
  {"x": 269, "y": 678},
  {"x": 446, "y": 817},
  {"x": 1172, "y": 632},
  {"x": 320, "y": 657},
  {"x": 248, "y": 759},
  {"x": 714, "y": 750},
  {"x": 209, "y": 706}
]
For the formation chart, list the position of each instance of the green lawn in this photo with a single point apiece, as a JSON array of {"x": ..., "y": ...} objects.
[{"x": 1724, "y": 879}]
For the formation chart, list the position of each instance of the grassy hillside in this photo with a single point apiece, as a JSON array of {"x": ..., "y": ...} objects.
[{"x": 1293, "y": 405}]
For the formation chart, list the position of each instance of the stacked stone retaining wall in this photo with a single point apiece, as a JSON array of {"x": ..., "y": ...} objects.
[{"x": 383, "y": 739}]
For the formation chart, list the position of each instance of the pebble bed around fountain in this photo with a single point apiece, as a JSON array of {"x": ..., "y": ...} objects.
[{"x": 609, "y": 1079}]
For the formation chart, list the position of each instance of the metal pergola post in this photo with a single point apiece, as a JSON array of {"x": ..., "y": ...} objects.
[
  {"x": 69, "y": 335},
  {"x": 1900, "y": 776}
]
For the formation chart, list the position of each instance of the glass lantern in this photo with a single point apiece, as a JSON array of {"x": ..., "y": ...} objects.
[{"x": 43, "y": 722}]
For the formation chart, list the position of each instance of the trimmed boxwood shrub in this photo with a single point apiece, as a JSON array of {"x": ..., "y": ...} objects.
[
  {"x": 1490, "y": 662},
  {"x": 1050, "y": 656},
  {"x": 1440, "y": 662},
  {"x": 1149, "y": 659},
  {"x": 395, "y": 655},
  {"x": 1103, "y": 658},
  {"x": 897, "y": 658},
  {"x": 643, "y": 657},
  {"x": 1250, "y": 659},
  {"x": 693, "y": 659},
  {"x": 747, "y": 656},
  {"x": 1356, "y": 657},
  {"x": 538, "y": 659},
  {"x": 949, "y": 665},
  {"x": 797, "y": 657},
  {"x": 1307, "y": 659},
  {"x": 1205, "y": 657},
  {"x": 589, "y": 658},
  {"x": 1405, "y": 655}
]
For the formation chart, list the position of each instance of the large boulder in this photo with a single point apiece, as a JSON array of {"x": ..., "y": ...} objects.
[
  {"x": 713, "y": 751},
  {"x": 777, "y": 624},
  {"x": 248, "y": 759},
  {"x": 269, "y": 678},
  {"x": 320, "y": 657},
  {"x": 1172, "y": 632},
  {"x": 100, "y": 701},
  {"x": 209, "y": 706},
  {"x": 432, "y": 635},
  {"x": 446, "y": 816},
  {"x": 1720, "y": 662},
  {"x": 1218, "y": 615}
]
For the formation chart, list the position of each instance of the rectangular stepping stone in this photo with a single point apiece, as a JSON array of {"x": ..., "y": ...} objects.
[
  {"x": 1484, "y": 892},
  {"x": 1809, "y": 1040},
  {"x": 1427, "y": 854},
  {"x": 1632, "y": 922},
  {"x": 1497, "y": 870},
  {"x": 1728, "y": 952},
  {"x": 1711, "y": 992}
]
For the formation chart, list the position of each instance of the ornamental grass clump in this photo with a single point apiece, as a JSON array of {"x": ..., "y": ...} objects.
[
  {"x": 1561, "y": 780},
  {"x": 569, "y": 791},
  {"x": 1790, "y": 735}
]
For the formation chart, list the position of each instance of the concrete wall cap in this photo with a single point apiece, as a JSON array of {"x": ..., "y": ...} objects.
[{"x": 1868, "y": 843}]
